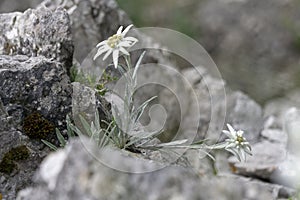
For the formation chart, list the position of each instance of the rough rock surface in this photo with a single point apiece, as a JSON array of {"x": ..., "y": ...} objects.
[
  {"x": 289, "y": 170},
  {"x": 36, "y": 84},
  {"x": 35, "y": 92},
  {"x": 275, "y": 135},
  {"x": 95, "y": 20},
  {"x": 73, "y": 173},
  {"x": 245, "y": 114},
  {"x": 267, "y": 157},
  {"x": 277, "y": 109},
  {"x": 269, "y": 142},
  {"x": 235, "y": 108},
  {"x": 98, "y": 20},
  {"x": 275, "y": 155},
  {"x": 85, "y": 101},
  {"x": 78, "y": 175},
  {"x": 35, "y": 98},
  {"x": 209, "y": 103},
  {"x": 5, "y": 119},
  {"x": 38, "y": 32},
  {"x": 19, "y": 159}
]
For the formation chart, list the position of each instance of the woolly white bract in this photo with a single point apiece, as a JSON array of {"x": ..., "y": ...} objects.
[
  {"x": 116, "y": 44},
  {"x": 237, "y": 144}
]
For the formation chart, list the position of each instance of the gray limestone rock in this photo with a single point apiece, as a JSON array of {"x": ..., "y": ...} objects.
[
  {"x": 245, "y": 114},
  {"x": 216, "y": 109},
  {"x": 75, "y": 173},
  {"x": 35, "y": 97},
  {"x": 207, "y": 109},
  {"x": 34, "y": 85},
  {"x": 292, "y": 127},
  {"x": 39, "y": 32},
  {"x": 267, "y": 157},
  {"x": 85, "y": 101},
  {"x": 97, "y": 20},
  {"x": 19, "y": 159},
  {"x": 35, "y": 92},
  {"x": 276, "y": 109},
  {"x": 92, "y": 21},
  {"x": 40, "y": 83},
  {"x": 275, "y": 135}
]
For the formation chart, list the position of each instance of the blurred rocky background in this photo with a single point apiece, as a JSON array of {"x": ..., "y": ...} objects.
[{"x": 255, "y": 45}]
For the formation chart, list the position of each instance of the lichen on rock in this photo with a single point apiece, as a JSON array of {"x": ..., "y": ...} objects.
[
  {"x": 34, "y": 84},
  {"x": 36, "y": 52},
  {"x": 35, "y": 126},
  {"x": 8, "y": 163}
]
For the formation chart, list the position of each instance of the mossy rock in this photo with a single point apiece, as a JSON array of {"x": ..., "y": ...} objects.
[
  {"x": 8, "y": 163},
  {"x": 35, "y": 126}
]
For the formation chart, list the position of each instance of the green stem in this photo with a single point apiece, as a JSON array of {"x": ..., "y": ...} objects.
[
  {"x": 128, "y": 63},
  {"x": 213, "y": 165}
]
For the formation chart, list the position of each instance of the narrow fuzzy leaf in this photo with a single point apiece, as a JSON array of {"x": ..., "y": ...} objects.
[
  {"x": 137, "y": 66},
  {"x": 97, "y": 120},
  {"x": 145, "y": 135},
  {"x": 235, "y": 154},
  {"x": 86, "y": 126},
  {"x": 95, "y": 133},
  {"x": 117, "y": 115},
  {"x": 70, "y": 132},
  {"x": 208, "y": 154},
  {"x": 75, "y": 129},
  {"x": 218, "y": 146},
  {"x": 50, "y": 145},
  {"x": 142, "y": 136},
  {"x": 173, "y": 143},
  {"x": 60, "y": 138},
  {"x": 140, "y": 110},
  {"x": 200, "y": 142}
]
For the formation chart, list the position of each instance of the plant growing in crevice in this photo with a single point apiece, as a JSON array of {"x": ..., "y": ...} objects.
[
  {"x": 62, "y": 141},
  {"x": 100, "y": 86},
  {"x": 78, "y": 75},
  {"x": 127, "y": 119},
  {"x": 123, "y": 130}
]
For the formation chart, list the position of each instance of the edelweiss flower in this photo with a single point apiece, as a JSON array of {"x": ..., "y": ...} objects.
[
  {"x": 237, "y": 144},
  {"x": 116, "y": 43}
]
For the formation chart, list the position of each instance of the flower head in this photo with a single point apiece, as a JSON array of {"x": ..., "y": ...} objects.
[
  {"x": 116, "y": 44},
  {"x": 236, "y": 143}
]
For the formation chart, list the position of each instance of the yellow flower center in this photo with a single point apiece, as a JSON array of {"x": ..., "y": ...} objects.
[
  {"x": 114, "y": 40},
  {"x": 239, "y": 139}
]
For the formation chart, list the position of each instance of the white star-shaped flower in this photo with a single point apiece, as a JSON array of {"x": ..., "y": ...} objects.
[
  {"x": 237, "y": 144},
  {"x": 116, "y": 44}
]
